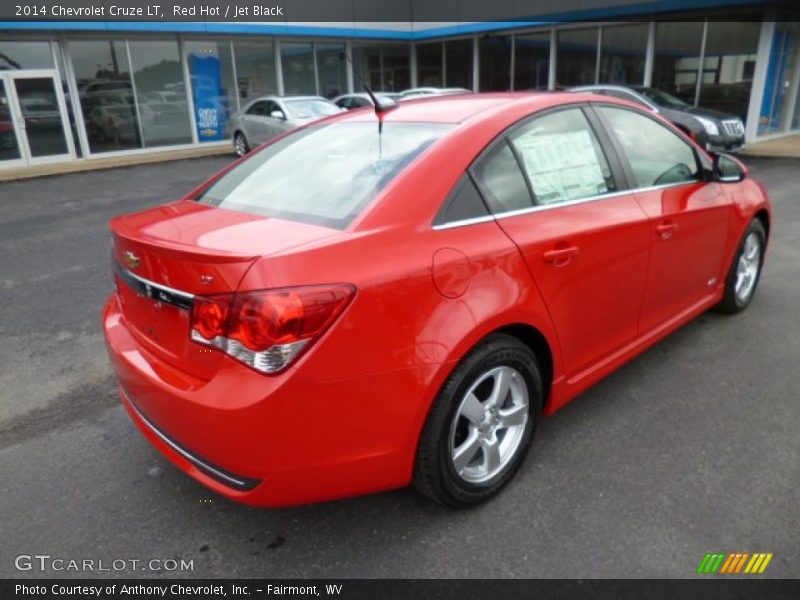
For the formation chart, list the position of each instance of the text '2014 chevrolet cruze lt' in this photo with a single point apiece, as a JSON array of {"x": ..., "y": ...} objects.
[{"x": 397, "y": 296}]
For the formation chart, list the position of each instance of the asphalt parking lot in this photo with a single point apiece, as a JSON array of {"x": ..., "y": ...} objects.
[{"x": 694, "y": 447}]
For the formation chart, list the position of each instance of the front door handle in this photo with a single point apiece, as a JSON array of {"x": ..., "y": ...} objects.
[
  {"x": 666, "y": 229},
  {"x": 560, "y": 256}
]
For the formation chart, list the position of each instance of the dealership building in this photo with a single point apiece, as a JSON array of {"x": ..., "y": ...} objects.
[{"x": 92, "y": 89}]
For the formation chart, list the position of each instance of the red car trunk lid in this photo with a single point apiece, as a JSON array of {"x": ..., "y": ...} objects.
[{"x": 166, "y": 255}]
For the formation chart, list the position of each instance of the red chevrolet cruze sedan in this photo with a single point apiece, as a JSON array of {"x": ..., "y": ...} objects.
[{"x": 384, "y": 298}]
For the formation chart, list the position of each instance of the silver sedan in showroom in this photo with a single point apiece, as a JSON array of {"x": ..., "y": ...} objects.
[{"x": 268, "y": 116}]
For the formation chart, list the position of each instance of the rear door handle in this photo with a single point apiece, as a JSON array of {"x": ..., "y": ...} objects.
[
  {"x": 665, "y": 230},
  {"x": 560, "y": 256}
]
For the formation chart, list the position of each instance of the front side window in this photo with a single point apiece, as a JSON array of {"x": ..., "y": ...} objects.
[
  {"x": 323, "y": 174},
  {"x": 657, "y": 155},
  {"x": 270, "y": 107},
  {"x": 562, "y": 158}
]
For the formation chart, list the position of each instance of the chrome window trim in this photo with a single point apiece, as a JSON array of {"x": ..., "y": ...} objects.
[
  {"x": 556, "y": 205},
  {"x": 464, "y": 222}
]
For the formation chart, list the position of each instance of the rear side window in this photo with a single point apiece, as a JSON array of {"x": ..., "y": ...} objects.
[
  {"x": 463, "y": 203},
  {"x": 657, "y": 155},
  {"x": 323, "y": 174},
  {"x": 502, "y": 182},
  {"x": 562, "y": 158}
]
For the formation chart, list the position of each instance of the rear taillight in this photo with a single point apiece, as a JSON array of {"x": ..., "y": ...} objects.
[{"x": 267, "y": 329}]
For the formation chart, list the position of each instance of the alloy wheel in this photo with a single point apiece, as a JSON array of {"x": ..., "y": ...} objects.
[
  {"x": 488, "y": 427},
  {"x": 240, "y": 145},
  {"x": 747, "y": 268}
]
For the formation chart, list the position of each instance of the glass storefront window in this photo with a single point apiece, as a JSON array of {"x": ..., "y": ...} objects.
[
  {"x": 577, "y": 57},
  {"x": 16, "y": 55},
  {"x": 106, "y": 94},
  {"x": 429, "y": 65},
  {"x": 677, "y": 58},
  {"x": 331, "y": 69},
  {"x": 495, "y": 63},
  {"x": 458, "y": 59},
  {"x": 532, "y": 61},
  {"x": 297, "y": 62},
  {"x": 776, "y": 107},
  {"x": 213, "y": 89},
  {"x": 396, "y": 61},
  {"x": 255, "y": 69},
  {"x": 366, "y": 67},
  {"x": 73, "y": 125},
  {"x": 622, "y": 54},
  {"x": 160, "y": 92},
  {"x": 9, "y": 148},
  {"x": 730, "y": 60},
  {"x": 385, "y": 68}
]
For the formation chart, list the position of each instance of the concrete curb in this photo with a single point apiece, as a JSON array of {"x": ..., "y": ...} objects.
[{"x": 80, "y": 165}]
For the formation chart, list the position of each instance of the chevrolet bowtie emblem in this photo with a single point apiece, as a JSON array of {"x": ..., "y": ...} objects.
[{"x": 131, "y": 260}]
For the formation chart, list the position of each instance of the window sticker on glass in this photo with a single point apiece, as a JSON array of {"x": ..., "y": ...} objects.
[{"x": 561, "y": 166}]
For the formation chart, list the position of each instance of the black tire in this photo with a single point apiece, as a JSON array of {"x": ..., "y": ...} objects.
[
  {"x": 731, "y": 302},
  {"x": 435, "y": 475},
  {"x": 239, "y": 137}
]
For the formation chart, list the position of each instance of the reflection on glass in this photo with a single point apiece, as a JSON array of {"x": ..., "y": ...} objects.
[
  {"x": 577, "y": 57},
  {"x": 40, "y": 111},
  {"x": 729, "y": 65},
  {"x": 622, "y": 54},
  {"x": 396, "y": 71},
  {"x": 776, "y": 108},
  {"x": 73, "y": 125},
  {"x": 160, "y": 92},
  {"x": 532, "y": 61},
  {"x": 429, "y": 65},
  {"x": 255, "y": 69},
  {"x": 213, "y": 89},
  {"x": 18, "y": 55},
  {"x": 331, "y": 69},
  {"x": 495, "y": 63},
  {"x": 106, "y": 94},
  {"x": 386, "y": 68},
  {"x": 298, "y": 69},
  {"x": 9, "y": 150},
  {"x": 366, "y": 67},
  {"x": 677, "y": 58},
  {"x": 458, "y": 58}
]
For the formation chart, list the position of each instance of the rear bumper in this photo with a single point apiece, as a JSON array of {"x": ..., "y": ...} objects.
[{"x": 273, "y": 440}]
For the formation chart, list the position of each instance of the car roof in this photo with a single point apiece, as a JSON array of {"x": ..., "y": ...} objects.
[
  {"x": 284, "y": 98},
  {"x": 364, "y": 95},
  {"x": 458, "y": 108},
  {"x": 602, "y": 86}
]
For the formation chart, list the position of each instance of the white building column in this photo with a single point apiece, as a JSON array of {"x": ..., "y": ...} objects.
[{"x": 759, "y": 80}]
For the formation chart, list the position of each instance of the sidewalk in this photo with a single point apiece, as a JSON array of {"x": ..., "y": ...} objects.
[
  {"x": 787, "y": 147},
  {"x": 76, "y": 166}
]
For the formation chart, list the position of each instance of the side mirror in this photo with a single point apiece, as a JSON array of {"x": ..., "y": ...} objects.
[
  {"x": 728, "y": 170},
  {"x": 278, "y": 114}
]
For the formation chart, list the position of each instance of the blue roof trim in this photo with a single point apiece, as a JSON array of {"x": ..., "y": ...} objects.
[{"x": 653, "y": 7}]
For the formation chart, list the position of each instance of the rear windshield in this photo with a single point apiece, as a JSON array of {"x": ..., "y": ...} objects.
[
  {"x": 323, "y": 174},
  {"x": 305, "y": 109}
]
